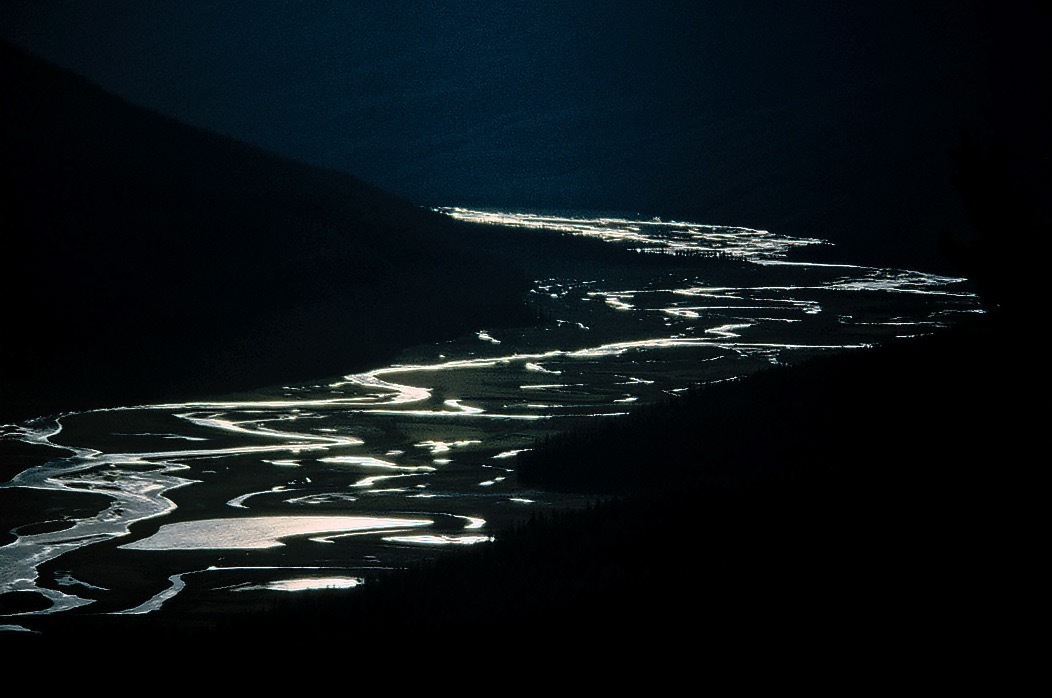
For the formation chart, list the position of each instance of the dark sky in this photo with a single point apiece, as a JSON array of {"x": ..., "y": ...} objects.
[{"x": 767, "y": 113}]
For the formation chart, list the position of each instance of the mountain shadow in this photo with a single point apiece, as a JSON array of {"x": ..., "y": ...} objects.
[{"x": 144, "y": 259}]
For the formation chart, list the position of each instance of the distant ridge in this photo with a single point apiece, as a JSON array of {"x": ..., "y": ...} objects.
[{"x": 144, "y": 259}]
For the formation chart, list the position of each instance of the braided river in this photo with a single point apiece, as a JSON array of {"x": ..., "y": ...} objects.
[{"x": 327, "y": 484}]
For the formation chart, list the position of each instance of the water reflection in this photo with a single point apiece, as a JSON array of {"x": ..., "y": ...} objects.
[
  {"x": 334, "y": 475},
  {"x": 653, "y": 235},
  {"x": 438, "y": 540},
  {"x": 306, "y": 584},
  {"x": 249, "y": 533}
]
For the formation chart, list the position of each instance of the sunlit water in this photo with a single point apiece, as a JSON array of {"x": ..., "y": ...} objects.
[{"x": 323, "y": 485}]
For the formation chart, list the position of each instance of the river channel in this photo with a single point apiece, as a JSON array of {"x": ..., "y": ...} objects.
[{"x": 324, "y": 485}]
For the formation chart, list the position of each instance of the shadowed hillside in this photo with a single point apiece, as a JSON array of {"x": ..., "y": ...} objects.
[
  {"x": 814, "y": 118},
  {"x": 144, "y": 259}
]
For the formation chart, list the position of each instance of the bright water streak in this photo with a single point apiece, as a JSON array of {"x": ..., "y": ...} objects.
[{"x": 376, "y": 469}]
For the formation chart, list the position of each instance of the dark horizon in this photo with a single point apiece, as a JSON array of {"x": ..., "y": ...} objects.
[{"x": 812, "y": 119}]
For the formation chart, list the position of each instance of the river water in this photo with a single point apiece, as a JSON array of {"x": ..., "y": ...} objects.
[{"x": 323, "y": 485}]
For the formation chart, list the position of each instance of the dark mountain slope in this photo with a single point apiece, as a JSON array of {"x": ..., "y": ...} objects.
[
  {"x": 144, "y": 259},
  {"x": 816, "y": 118}
]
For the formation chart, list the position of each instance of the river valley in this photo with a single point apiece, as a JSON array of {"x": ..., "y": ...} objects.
[{"x": 324, "y": 485}]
